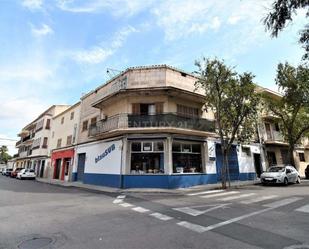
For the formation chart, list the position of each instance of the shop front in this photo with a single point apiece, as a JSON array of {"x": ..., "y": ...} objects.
[{"x": 62, "y": 164}]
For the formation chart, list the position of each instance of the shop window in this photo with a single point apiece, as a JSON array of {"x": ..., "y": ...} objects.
[
  {"x": 85, "y": 125},
  {"x": 301, "y": 157},
  {"x": 147, "y": 157},
  {"x": 187, "y": 158}
]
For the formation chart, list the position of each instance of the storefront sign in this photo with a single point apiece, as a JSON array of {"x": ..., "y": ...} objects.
[{"x": 105, "y": 153}]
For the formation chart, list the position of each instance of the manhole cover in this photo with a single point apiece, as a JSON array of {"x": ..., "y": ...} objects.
[{"x": 35, "y": 243}]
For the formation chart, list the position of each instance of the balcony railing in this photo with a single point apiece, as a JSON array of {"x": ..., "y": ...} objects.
[
  {"x": 274, "y": 136},
  {"x": 123, "y": 121}
]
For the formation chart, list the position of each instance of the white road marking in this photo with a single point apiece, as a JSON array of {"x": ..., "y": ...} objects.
[
  {"x": 236, "y": 197},
  {"x": 121, "y": 196},
  {"x": 220, "y": 194},
  {"x": 190, "y": 211},
  {"x": 259, "y": 199},
  {"x": 117, "y": 201},
  {"x": 195, "y": 212},
  {"x": 161, "y": 216},
  {"x": 304, "y": 209},
  {"x": 206, "y": 192},
  {"x": 140, "y": 209},
  {"x": 193, "y": 227},
  {"x": 125, "y": 204},
  {"x": 271, "y": 206},
  {"x": 283, "y": 202}
]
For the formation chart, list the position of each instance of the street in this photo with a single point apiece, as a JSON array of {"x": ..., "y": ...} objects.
[{"x": 244, "y": 218}]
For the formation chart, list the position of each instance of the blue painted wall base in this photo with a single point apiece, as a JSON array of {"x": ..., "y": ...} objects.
[{"x": 156, "y": 181}]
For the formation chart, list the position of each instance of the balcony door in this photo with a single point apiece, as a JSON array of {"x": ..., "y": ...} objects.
[
  {"x": 147, "y": 108},
  {"x": 268, "y": 131}
]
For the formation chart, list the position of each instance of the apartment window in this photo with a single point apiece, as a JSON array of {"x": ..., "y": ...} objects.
[
  {"x": 72, "y": 115},
  {"x": 69, "y": 140},
  {"x": 85, "y": 125},
  {"x": 47, "y": 126},
  {"x": 187, "y": 111},
  {"x": 246, "y": 151},
  {"x": 39, "y": 125},
  {"x": 44, "y": 145},
  {"x": 277, "y": 127},
  {"x": 93, "y": 121},
  {"x": 301, "y": 157},
  {"x": 62, "y": 120},
  {"x": 59, "y": 143}
]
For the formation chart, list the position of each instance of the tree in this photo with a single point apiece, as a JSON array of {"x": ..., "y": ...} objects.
[
  {"x": 281, "y": 14},
  {"x": 232, "y": 98},
  {"x": 292, "y": 110},
  {"x": 4, "y": 156}
]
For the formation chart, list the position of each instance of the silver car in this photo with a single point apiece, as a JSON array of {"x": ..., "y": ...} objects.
[{"x": 280, "y": 174}]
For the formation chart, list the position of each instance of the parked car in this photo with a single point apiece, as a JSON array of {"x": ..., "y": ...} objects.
[
  {"x": 15, "y": 172},
  {"x": 307, "y": 172},
  {"x": 8, "y": 172},
  {"x": 26, "y": 174},
  {"x": 280, "y": 174}
]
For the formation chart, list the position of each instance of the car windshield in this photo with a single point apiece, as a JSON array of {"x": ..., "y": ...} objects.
[{"x": 276, "y": 169}]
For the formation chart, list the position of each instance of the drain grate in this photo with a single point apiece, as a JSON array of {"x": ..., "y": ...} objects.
[{"x": 35, "y": 243}]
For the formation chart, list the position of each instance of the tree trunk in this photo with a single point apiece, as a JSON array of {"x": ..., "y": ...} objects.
[
  {"x": 291, "y": 155},
  {"x": 228, "y": 167},
  {"x": 223, "y": 168}
]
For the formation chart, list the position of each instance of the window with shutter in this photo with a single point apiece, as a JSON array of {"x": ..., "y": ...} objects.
[
  {"x": 159, "y": 108},
  {"x": 136, "y": 108}
]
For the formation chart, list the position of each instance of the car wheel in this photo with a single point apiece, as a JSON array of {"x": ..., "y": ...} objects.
[
  {"x": 298, "y": 180},
  {"x": 286, "y": 181}
]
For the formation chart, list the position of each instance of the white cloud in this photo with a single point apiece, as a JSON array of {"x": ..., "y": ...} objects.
[
  {"x": 123, "y": 8},
  {"x": 33, "y": 4},
  {"x": 101, "y": 52},
  {"x": 41, "y": 31}
]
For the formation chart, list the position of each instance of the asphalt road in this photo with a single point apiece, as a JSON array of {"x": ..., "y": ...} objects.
[{"x": 248, "y": 217}]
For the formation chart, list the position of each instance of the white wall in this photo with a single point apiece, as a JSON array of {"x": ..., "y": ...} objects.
[
  {"x": 245, "y": 162},
  {"x": 108, "y": 163}
]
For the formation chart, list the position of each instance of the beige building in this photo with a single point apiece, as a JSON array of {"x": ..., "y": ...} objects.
[
  {"x": 33, "y": 146},
  {"x": 274, "y": 144},
  {"x": 62, "y": 143}
]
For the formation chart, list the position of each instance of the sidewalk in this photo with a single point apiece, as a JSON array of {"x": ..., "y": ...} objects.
[{"x": 234, "y": 184}]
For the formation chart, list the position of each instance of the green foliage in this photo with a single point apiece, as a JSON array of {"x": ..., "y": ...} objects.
[
  {"x": 4, "y": 156},
  {"x": 232, "y": 97},
  {"x": 292, "y": 109},
  {"x": 281, "y": 14}
]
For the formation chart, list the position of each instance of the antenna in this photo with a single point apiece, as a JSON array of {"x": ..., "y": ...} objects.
[{"x": 112, "y": 72}]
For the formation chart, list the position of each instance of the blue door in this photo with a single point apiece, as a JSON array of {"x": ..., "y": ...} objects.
[
  {"x": 233, "y": 163},
  {"x": 81, "y": 166}
]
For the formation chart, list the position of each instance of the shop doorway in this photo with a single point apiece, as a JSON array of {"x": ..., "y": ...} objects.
[
  {"x": 81, "y": 166},
  {"x": 42, "y": 168},
  {"x": 257, "y": 164},
  {"x": 57, "y": 169},
  {"x": 271, "y": 157}
]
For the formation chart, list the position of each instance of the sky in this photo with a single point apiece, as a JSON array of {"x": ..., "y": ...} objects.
[{"x": 53, "y": 51}]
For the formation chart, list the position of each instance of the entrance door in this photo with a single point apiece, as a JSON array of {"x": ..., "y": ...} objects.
[
  {"x": 81, "y": 166},
  {"x": 57, "y": 169},
  {"x": 257, "y": 164},
  {"x": 271, "y": 157},
  {"x": 42, "y": 168}
]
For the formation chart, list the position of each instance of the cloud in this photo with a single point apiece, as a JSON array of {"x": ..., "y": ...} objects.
[
  {"x": 101, "y": 52},
  {"x": 41, "y": 31},
  {"x": 33, "y": 4},
  {"x": 123, "y": 8}
]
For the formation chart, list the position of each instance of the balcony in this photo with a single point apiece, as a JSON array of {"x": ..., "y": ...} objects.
[{"x": 166, "y": 120}]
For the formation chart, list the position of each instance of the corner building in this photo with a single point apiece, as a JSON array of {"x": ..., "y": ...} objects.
[{"x": 148, "y": 127}]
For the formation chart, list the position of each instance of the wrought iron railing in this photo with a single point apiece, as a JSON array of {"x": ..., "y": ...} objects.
[{"x": 147, "y": 121}]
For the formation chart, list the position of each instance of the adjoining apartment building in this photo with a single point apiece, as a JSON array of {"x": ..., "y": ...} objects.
[
  {"x": 148, "y": 127},
  {"x": 274, "y": 145},
  {"x": 64, "y": 134},
  {"x": 33, "y": 150}
]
